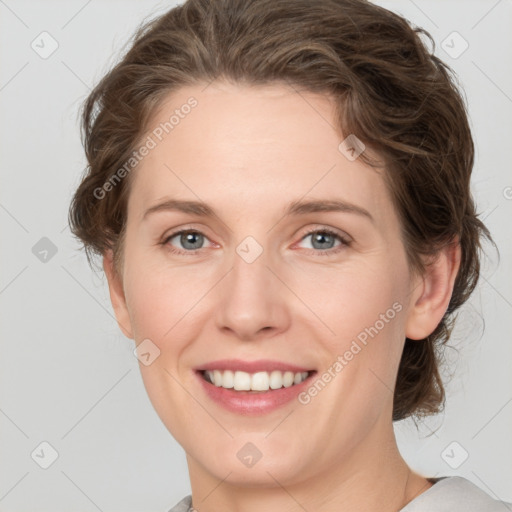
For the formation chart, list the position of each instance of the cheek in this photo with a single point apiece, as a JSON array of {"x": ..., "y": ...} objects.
[
  {"x": 156, "y": 304},
  {"x": 362, "y": 358},
  {"x": 164, "y": 299},
  {"x": 355, "y": 297},
  {"x": 365, "y": 307},
  {"x": 163, "y": 307}
]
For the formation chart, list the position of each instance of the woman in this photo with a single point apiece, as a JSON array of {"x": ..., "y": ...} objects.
[{"x": 280, "y": 192}]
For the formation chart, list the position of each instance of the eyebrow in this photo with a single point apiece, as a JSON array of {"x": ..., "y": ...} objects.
[{"x": 298, "y": 207}]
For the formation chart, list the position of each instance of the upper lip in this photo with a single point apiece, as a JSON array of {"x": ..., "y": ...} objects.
[{"x": 260, "y": 365}]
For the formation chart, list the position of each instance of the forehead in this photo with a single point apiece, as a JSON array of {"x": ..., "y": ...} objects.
[{"x": 240, "y": 146}]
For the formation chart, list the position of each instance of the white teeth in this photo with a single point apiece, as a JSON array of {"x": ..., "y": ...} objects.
[
  {"x": 260, "y": 381},
  {"x": 217, "y": 378},
  {"x": 276, "y": 380},
  {"x": 242, "y": 381},
  {"x": 288, "y": 379}
]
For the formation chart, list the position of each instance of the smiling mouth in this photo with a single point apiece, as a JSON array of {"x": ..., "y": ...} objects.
[{"x": 258, "y": 382}]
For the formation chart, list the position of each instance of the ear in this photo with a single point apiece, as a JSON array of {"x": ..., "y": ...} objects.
[
  {"x": 117, "y": 297},
  {"x": 432, "y": 293}
]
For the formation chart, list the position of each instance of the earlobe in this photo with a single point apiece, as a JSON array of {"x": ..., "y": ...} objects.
[
  {"x": 117, "y": 296},
  {"x": 432, "y": 297}
]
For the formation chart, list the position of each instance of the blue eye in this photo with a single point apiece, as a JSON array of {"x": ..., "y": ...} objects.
[
  {"x": 324, "y": 240},
  {"x": 190, "y": 240}
]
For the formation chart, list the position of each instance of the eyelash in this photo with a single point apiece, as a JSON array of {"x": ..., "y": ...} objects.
[{"x": 344, "y": 242}]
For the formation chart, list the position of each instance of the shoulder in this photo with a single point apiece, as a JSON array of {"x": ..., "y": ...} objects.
[
  {"x": 455, "y": 493},
  {"x": 183, "y": 506}
]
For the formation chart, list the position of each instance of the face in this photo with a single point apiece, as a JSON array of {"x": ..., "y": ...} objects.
[{"x": 322, "y": 289}]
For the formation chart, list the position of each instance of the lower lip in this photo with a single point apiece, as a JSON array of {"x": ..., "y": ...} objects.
[{"x": 251, "y": 403}]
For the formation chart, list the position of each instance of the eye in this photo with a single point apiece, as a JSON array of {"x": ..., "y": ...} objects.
[
  {"x": 191, "y": 240},
  {"x": 324, "y": 240}
]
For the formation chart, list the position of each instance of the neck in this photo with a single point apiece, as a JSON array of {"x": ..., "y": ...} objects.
[{"x": 372, "y": 477}]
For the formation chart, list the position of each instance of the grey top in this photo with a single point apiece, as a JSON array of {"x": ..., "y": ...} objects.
[{"x": 448, "y": 494}]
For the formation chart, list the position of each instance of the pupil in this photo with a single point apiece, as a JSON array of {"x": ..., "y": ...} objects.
[
  {"x": 320, "y": 237},
  {"x": 188, "y": 238}
]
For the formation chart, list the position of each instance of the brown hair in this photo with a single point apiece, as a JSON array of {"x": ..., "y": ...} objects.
[{"x": 389, "y": 90}]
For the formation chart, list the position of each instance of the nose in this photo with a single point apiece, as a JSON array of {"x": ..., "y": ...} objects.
[{"x": 252, "y": 301}]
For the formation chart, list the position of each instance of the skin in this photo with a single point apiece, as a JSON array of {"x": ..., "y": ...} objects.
[{"x": 248, "y": 152}]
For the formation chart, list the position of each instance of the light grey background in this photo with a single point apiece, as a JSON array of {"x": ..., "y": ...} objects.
[{"x": 69, "y": 377}]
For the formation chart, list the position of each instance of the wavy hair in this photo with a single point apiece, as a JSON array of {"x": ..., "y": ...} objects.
[{"x": 390, "y": 90}]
